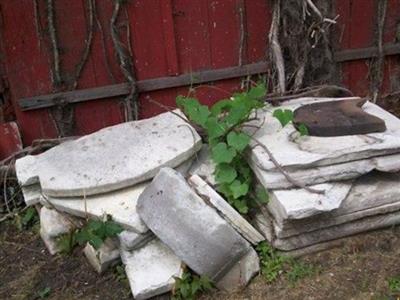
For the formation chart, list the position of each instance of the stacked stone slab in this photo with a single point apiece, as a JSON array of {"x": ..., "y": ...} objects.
[
  {"x": 358, "y": 175},
  {"x": 104, "y": 173}
]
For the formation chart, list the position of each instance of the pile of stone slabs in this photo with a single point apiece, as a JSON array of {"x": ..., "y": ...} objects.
[{"x": 358, "y": 174}]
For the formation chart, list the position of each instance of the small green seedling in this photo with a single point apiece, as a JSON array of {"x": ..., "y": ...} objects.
[
  {"x": 190, "y": 286},
  {"x": 44, "y": 293},
  {"x": 394, "y": 284}
]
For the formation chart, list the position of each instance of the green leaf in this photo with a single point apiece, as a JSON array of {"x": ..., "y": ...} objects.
[
  {"x": 262, "y": 195},
  {"x": 214, "y": 128},
  {"x": 239, "y": 189},
  {"x": 194, "y": 110},
  {"x": 239, "y": 141},
  {"x": 258, "y": 91},
  {"x": 283, "y": 116},
  {"x": 112, "y": 228},
  {"x": 302, "y": 128},
  {"x": 44, "y": 293},
  {"x": 241, "y": 206},
  {"x": 221, "y": 153},
  {"x": 220, "y": 106},
  {"x": 224, "y": 173},
  {"x": 28, "y": 217}
]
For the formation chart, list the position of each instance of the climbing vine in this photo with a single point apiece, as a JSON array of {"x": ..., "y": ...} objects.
[{"x": 224, "y": 124}]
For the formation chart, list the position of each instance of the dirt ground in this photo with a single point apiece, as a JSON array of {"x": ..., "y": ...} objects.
[{"x": 358, "y": 270}]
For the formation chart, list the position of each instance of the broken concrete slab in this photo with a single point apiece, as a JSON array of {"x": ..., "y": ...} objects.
[
  {"x": 103, "y": 258},
  {"x": 336, "y": 232},
  {"x": 299, "y": 203},
  {"x": 212, "y": 198},
  {"x": 316, "y": 175},
  {"x": 151, "y": 270},
  {"x": 130, "y": 240},
  {"x": 121, "y": 205},
  {"x": 192, "y": 229},
  {"x": 31, "y": 194},
  {"x": 373, "y": 194},
  {"x": 203, "y": 166},
  {"x": 52, "y": 225},
  {"x": 241, "y": 274},
  {"x": 112, "y": 158},
  {"x": 291, "y": 150}
]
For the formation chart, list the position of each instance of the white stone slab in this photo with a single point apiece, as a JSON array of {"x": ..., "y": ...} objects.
[
  {"x": 104, "y": 257},
  {"x": 212, "y": 198},
  {"x": 52, "y": 225},
  {"x": 112, "y": 158},
  {"x": 316, "y": 175},
  {"x": 241, "y": 274},
  {"x": 121, "y": 205},
  {"x": 291, "y": 150},
  {"x": 299, "y": 203},
  {"x": 203, "y": 166},
  {"x": 151, "y": 270},
  {"x": 336, "y": 232},
  {"x": 130, "y": 240},
  {"x": 31, "y": 194},
  {"x": 372, "y": 194}
]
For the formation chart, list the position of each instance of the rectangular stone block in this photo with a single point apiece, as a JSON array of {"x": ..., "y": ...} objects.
[
  {"x": 103, "y": 258},
  {"x": 192, "y": 229}
]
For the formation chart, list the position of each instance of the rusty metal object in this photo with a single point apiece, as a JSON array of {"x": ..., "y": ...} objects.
[{"x": 337, "y": 118}]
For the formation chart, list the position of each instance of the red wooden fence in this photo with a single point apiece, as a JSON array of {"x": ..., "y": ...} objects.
[{"x": 168, "y": 37}]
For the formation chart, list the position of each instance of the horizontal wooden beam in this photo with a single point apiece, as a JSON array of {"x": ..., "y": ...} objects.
[
  {"x": 364, "y": 53},
  {"x": 147, "y": 85}
]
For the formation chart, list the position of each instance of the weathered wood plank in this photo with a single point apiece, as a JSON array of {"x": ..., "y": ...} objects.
[
  {"x": 147, "y": 85},
  {"x": 364, "y": 53}
]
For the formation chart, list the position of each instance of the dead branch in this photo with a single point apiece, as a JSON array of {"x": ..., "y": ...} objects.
[
  {"x": 293, "y": 181},
  {"x": 126, "y": 65},
  {"x": 242, "y": 31},
  {"x": 88, "y": 44},
  {"x": 55, "y": 70}
]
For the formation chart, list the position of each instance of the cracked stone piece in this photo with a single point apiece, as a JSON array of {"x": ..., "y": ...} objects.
[
  {"x": 338, "y": 231},
  {"x": 212, "y": 198},
  {"x": 151, "y": 270},
  {"x": 316, "y": 175},
  {"x": 121, "y": 205},
  {"x": 52, "y": 225},
  {"x": 299, "y": 203},
  {"x": 31, "y": 194},
  {"x": 104, "y": 257},
  {"x": 373, "y": 194},
  {"x": 192, "y": 229},
  {"x": 241, "y": 274},
  {"x": 292, "y": 150},
  {"x": 112, "y": 158},
  {"x": 130, "y": 240},
  {"x": 203, "y": 166}
]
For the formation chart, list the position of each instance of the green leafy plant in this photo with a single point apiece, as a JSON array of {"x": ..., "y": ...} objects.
[
  {"x": 273, "y": 265},
  {"x": 190, "y": 286},
  {"x": 223, "y": 124},
  {"x": 26, "y": 219},
  {"x": 95, "y": 232},
  {"x": 44, "y": 293},
  {"x": 394, "y": 284},
  {"x": 285, "y": 116}
]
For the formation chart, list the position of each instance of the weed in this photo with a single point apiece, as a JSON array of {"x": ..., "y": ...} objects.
[
  {"x": 44, "y": 293},
  {"x": 27, "y": 219},
  {"x": 299, "y": 270},
  {"x": 223, "y": 124},
  {"x": 190, "y": 286},
  {"x": 394, "y": 284}
]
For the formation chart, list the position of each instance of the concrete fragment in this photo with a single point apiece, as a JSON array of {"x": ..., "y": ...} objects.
[
  {"x": 212, "y": 198},
  {"x": 299, "y": 203},
  {"x": 316, "y": 175},
  {"x": 203, "y": 166},
  {"x": 121, "y": 205},
  {"x": 336, "y": 232},
  {"x": 151, "y": 270},
  {"x": 291, "y": 150},
  {"x": 52, "y": 225},
  {"x": 104, "y": 257},
  {"x": 112, "y": 158},
  {"x": 31, "y": 194},
  {"x": 241, "y": 274},
  {"x": 192, "y": 229},
  {"x": 129, "y": 240}
]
